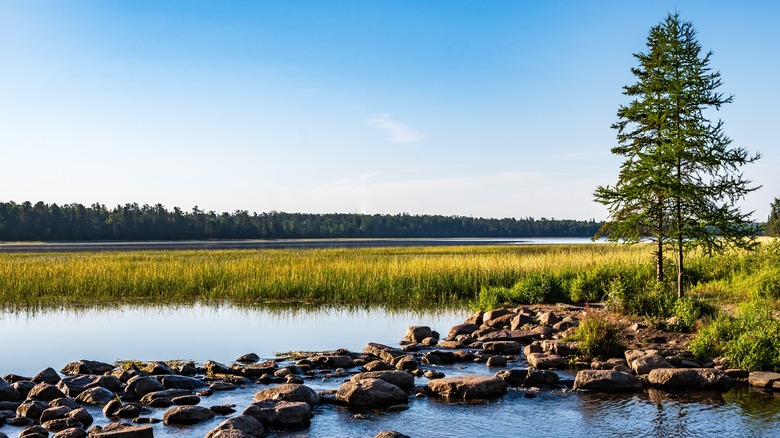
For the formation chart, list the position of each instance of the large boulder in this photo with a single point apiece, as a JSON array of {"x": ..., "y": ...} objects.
[
  {"x": 182, "y": 382},
  {"x": 606, "y": 381},
  {"x": 648, "y": 362},
  {"x": 439, "y": 357},
  {"x": 139, "y": 386},
  {"x": 689, "y": 378},
  {"x": 763, "y": 379},
  {"x": 462, "y": 329},
  {"x": 370, "y": 393},
  {"x": 247, "y": 424},
  {"x": 45, "y": 392},
  {"x": 468, "y": 387},
  {"x": 546, "y": 361},
  {"x": 522, "y": 336},
  {"x": 281, "y": 414},
  {"x": 158, "y": 368},
  {"x": 87, "y": 367},
  {"x": 98, "y": 396},
  {"x": 401, "y": 379},
  {"x": 8, "y": 392},
  {"x": 383, "y": 352},
  {"x": 390, "y": 434},
  {"x": 167, "y": 396},
  {"x": 291, "y": 392},
  {"x": 72, "y": 432},
  {"x": 493, "y": 314},
  {"x": 503, "y": 347},
  {"x": 121, "y": 430},
  {"x": 187, "y": 415},
  {"x": 49, "y": 375},
  {"x": 75, "y": 385},
  {"x": 32, "y": 409},
  {"x": 416, "y": 333},
  {"x": 333, "y": 361}
]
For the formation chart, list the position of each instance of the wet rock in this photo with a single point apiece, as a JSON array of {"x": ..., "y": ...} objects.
[
  {"x": 439, "y": 357},
  {"x": 121, "y": 430},
  {"x": 186, "y": 400},
  {"x": 400, "y": 379},
  {"x": 75, "y": 385},
  {"x": 519, "y": 321},
  {"x": 548, "y": 318},
  {"x": 462, "y": 329},
  {"x": 61, "y": 424},
  {"x": 433, "y": 374},
  {"x": 417, "y": 333},
  {"x": 154, "y": 398},
  {"x": 98, "y": 396},
  {"x": 81, "y": 415},
  {"x": 64, "y": 401},
  {"x": 187, "y": 415},
  {"x": 383, "y": 352},
  {"x": 333, "y": 362},
  {"x": 247, "y": 424},
  {"x": 281, "y": 414},
  {"x": 429, "y": 341},
  {"x": 406, "y": 363},
  {"x": 546, "y": 361},
  {"x": 689, "y": 379},
  {"x": 496, "y": 361},
  {"x": 560, "y": 348},
  {"x": 650, "y": 361},
  {"x": 20, "y": 421},
  {"x": 87, "y": 367},
  {"x": 390, "y": 434},
  {"x": 411, "y": 348},
  {"x": 377, "y": 365},
  {"x": 23, "y": 388},
  {"x": 158, "y": 368},
  {"x": 182, "y": 382},
  {"x": 464, "y": 356},
  {"x": 539, "y": 378},
  {"x": 503, "y": 347},
  {"x": 370, "y": 393},
  {"x": 606, "y": 381},
  {"x": 223, "y": 409},
  {"x": 73, "y": 432},
  {"x": 522, "y": 336},
  {"x": 501, "y": 321},
  {"x": 34, "y": 432},
  {"x": 49, "y": 375},
  {"x": 32, "y": 409},
  {"x": 8, "y": 392},
  {"x": 493, "y": 314},
  {"x": 513, "y": 377},
  {"x": 763, "y": 379},
  {"x": 229, "y": 433},
  {"x": 248, "y": 358},
  {"x": 475, "y": 318},
  {"x": 468, "y": 387},
  {"x": 737, "y": 373},
  {"x": 54, "y": 413},
  {"x": 110, "y": 409},
  {"x": 213, "y": 367},
  {"x": 139, "y": 386},
  {"x": 222, "y": 386},
  {"x": 289, "y": 392}
]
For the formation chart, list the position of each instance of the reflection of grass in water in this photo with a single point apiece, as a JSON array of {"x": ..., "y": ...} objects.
[
  {"x": 758, "y": 408},
  {"x": 393, "y": 278}
]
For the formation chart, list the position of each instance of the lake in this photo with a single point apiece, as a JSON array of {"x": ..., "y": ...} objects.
[{"x": 32, "y": 341}]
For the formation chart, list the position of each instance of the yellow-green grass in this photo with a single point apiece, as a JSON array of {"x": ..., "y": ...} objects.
[{"x": 431, "y": 277}]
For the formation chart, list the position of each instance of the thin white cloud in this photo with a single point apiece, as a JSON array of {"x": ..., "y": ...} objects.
[{"x": 399, "y": 132}]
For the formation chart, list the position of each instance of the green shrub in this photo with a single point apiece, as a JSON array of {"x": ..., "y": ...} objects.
[
  {"x": 540, "y": 288},
  {"x": 597, "y": 337},
  {"x": 769, "y": 283},
  {"x": 688, "y": 311},
  {"x": 590, "y": 285}
]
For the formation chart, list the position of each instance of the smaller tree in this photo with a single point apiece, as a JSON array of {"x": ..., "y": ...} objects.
[{"x": 773, "y": 222}]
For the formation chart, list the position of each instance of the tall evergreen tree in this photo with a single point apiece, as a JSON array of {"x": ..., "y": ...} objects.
[
  {"x": 773, "y": 221},
  {"x": 680, "y": 183}
]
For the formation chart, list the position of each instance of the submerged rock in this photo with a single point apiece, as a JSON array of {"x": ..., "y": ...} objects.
[{"x": 187, "y": 415}]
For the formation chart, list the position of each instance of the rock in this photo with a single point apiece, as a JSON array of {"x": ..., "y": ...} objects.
[
  {"x": 158, "y": 368},
  {"x": 560, "y": 348},
  {"x": 8, "y": 392},
  {"x": 468, "y": 387},
  {"x": 154, "y": 398},
  {"x": 248, "y": 358},
  {"x": 23, "y": 388},
  {"x": 281, "y": 414},
  {"x": 228, "y": 433},
  {"x": 406, "y": 363},
  {"x": 32, "y": 409},
  {"x": 496, "y": 361},
  {"x": 513, "y": 377},
  {"x": 522, "y": 336},
  {"x": 73, "y": 432},
  {"x": 606, "y": 381},
  {"x": 253, "y": 371},
  {"x": 763, "y": 379},
  {"x": 49, "y": 375},
  {"x": 548, "y": 318},
  {"x": 87, "y": 367},
  {"x": 543, "y": 331},
  {"x": 110, "y": 408},
  {"x": 564, "y": 325},
  {"x": 213, "y": 367},
  {"x": 501, "y": 321},
  {"x": 182, "y": 382},
  {"x": 223, "y": 409},
  {"x": 429, "y": 341},
  {"x": 139, "y": 386},
  {"x": 75, "y": 385},
  {"x": 370, "y": 393},
  {"x": 290, "y": 392},
  {"x": 187, "y": 415},
  {"x": 648, "y": 362},
  {"x": 539, "y": 378},
  {"x": 689, "y": 379},
  {"x": 417, "y": 333},
  {"x": 383, "y": 352},
  {"x": 54, "y": 413},
  {"x": 400, "y": 379},
  {"x": 61, "y": 424},
  {"x": 98, "y": 396},
  {"x": 475, "y": 318},
  {"x": 546, "y": 361},
  {"x": 245, "y": 423},
  {"x": 519, "y": 321},
  {"x": 186, "y": 400},
  {"x": 532, "y": 348},
  {"x": 390, "y": 434},
  {"x": 411, "y": 348},
  {"x": 333, "y": 362},
  {"x": 433, "y": 374},
  {"x": 222, "y": 386},
  {"x": 462, "y": 329},
  {"x": 34, "y": 432},
  {"x": 503, "y": 347},
  {"x": 377, "y": 365},
  {"x": 81, "y": 415},
  {"x": 439, "y": 357},
  {"x": 20, "y": 421},
  {"x": 493, "y": 314},
  {"x": 121, "y": 430},
  {"x": 737, "y": 373}
]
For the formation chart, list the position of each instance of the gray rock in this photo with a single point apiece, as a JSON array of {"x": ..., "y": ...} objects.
[
  {"x": 763, "y": 379},
  {"x": 370, "y": 393},
  {"x": 493, "y": 314},
  {"x": 468, "y": 387},
  {"x": 501, "y": 321},
  {"x": 75, "y": 385},
  {"x": 182, "y": 382},
  {"x": 81, "y": 415},
  {"x": 249, "y": 425},
  {"x": 606, "y": 381},
  {"x": 689, "y": 379},
  {"x": 54, "y": 413},
  {"x": 648, "y": 362},
  {"x": 61, "y": 424},
  {"x": 377, "y": 365},
  {"x": 417, "y": 333},
  {"x": 401, "y": 379},
  {"x": 186, "y": 400},
  {"x": 23, "y": 388},
  {"x": 65, "y": 401},
  {"x": 34, "y": 432},
  {"x": 228, "y": 433},
  {"x": 121, "y": 430},
  {"x": 281, "y": 414},
  {"x": 187, "y": 415},
  {"x": 333, "y": 362},
  {"x": 87, "y": 367},
  {"x": 49, "y": 375},
  {"x": 8, "y": 392},
  {"x": 32, "y": 409},
  {"x": 139, "y": 386},
  {"x": 462, "y": 329},
  {"x": 159, "y": 368},
  {"x": 151, "y": 398},
  {"x": 73, "y": 432},
  {"x": 248, "y": 358},
  {"x": 548, "y": 318},
  {"x": 503, "y": 347},
  {"x": 383, "y": 352},
  {"x": 289, "y": 392},
  {"x": 97, "y": 396},
  {"x": 496, "y": 361},
  {"x": 522, "y": 336},
  {"x": 439, "y": 357},
  {"x": 213, "y": 367},
  {"x": 546, "y": 361},
  {"x": 519, "y": 321}
]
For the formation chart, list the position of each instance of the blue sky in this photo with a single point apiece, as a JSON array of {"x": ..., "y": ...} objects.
[{"x": 475, "y": 108}]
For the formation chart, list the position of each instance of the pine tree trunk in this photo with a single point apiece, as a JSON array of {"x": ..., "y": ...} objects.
[{"x": 680, "y": 269}]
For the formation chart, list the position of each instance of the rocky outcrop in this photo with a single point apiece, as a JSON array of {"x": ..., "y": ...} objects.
[
  {"x": 606, "y": 381},
  {"x": 468, "y": 387}
]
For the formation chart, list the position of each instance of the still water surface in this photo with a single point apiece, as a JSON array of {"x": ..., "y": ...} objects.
[{"x": 32, "y": 341}]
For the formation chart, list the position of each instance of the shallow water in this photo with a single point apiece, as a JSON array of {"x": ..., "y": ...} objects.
[{"x": 32, "y": 341}]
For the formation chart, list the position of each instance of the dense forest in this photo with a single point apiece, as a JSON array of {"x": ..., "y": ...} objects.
[{"x": 75, "y": 222}]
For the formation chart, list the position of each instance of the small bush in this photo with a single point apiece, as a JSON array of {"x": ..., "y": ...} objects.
[
  {"x": 598, "y": 337},
  {"x": 688, "y": 311},
  {"x": 591, "y": 285},
  {"x": 540, "y": 288}
]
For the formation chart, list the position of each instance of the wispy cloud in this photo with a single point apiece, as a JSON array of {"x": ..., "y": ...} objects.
[{"x": 399, "y": 132}]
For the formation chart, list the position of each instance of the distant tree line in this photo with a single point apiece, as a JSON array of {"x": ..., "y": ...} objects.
[{"x": 75, "y": 222}]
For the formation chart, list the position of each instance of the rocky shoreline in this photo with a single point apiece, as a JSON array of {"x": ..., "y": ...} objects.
[{"x": 521, "y": 347}]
